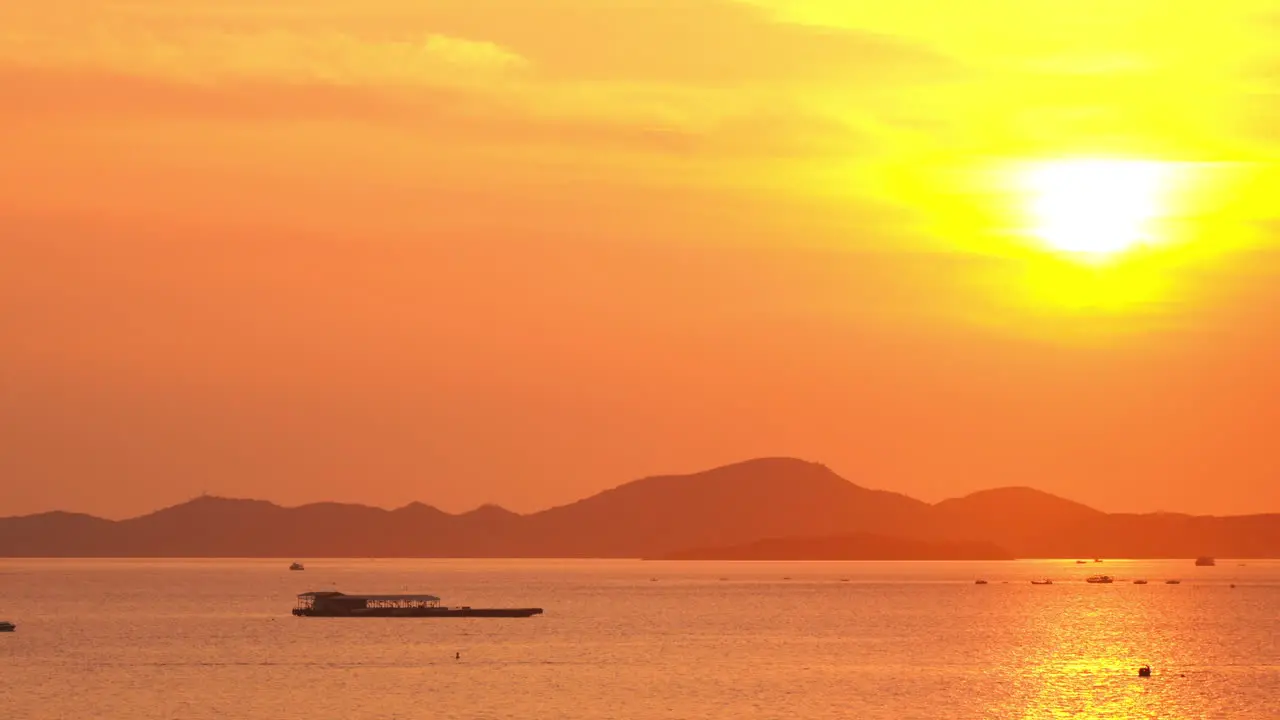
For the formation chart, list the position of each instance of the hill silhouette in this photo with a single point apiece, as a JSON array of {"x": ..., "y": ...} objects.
[
  {"x": 738, "y": 503},
  {"x": 1013, "y": 517},
  {"x": 776, "y": 505}
]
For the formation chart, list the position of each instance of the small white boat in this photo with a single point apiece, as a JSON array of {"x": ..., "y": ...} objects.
[
  {"x": 6, "y": 626},
  {"x": 296, "y": 566},
  {"x": 1046, "y": 581}
]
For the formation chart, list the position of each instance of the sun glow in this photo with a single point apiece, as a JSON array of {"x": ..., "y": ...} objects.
[{"x": 1095, "y": 207}]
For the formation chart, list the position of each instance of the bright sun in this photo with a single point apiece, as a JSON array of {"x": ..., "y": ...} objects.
[{"x": 1097, "y": 207}]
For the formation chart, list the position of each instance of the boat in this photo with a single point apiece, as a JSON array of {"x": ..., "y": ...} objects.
[
  {"x": 1205, "y": 562},
  {"x": 1100, "y": 580},
  {"x": 1139, "y": 582},
  {"x": 1080, "y": 562},
  {"x": 6, "y": 626},
  {"x": 330, "y": 603},
  {"x": 1045, "y": 581},
  {"x": 979, "y": 582},
  {"x": 296, "y": 566},
  {"x": 1172, "y": 582}
]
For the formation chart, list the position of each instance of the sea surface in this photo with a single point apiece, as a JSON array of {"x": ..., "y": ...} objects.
[{"x": 201, "y": 639}]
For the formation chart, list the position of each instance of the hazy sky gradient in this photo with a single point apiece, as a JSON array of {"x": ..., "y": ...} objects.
[{"x": 504, "y": 251}]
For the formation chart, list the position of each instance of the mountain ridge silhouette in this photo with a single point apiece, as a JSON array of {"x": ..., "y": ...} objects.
[{"x": 761, "y": 501}]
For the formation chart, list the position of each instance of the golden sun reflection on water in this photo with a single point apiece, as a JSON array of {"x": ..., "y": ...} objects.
[{"x": 1085, "y": 645}]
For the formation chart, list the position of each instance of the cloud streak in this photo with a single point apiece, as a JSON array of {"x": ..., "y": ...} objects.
[
  {"x": 477, "y": 114},
  {"x": 201, "y": 56}
]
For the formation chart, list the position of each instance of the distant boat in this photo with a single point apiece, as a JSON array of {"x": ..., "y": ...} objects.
[
  {"x": 1080, "y": 562},
  {"x": 1205, "y": 562},
  {"x": 1139, "y": 582},
  {"x": 6, "y": 626},
  {"x": 1172, "y": 582},
  {"x": 979, "y": 582},
  {"x": 1046, "y": 581},
  {"x": 296, "y": 566},
  {"x": 336, "y": 604},
  {"x": 1097, "y": 560},
  {"x": 1100, "y": 580}
]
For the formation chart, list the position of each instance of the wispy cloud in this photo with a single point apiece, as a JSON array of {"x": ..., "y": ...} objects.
[
  {"x": 574, "y": 73},
  {"x": 457, "y": 113},
  {"x": 201, "y": 56}
]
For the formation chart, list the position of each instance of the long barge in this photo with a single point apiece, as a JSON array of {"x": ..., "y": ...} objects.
[{"x": 336, "y": 604}]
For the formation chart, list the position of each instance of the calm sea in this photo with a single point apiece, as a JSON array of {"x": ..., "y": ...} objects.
[{"x": 196, "y": 639}]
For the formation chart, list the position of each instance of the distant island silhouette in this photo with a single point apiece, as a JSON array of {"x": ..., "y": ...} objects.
[
  {"x": 854, "y": 546},
  {"x": 768, "y": 508}
]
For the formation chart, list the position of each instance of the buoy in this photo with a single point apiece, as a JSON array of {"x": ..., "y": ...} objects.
[
  {"x": 457, "y": 656},
  {"x": 1144, "y": 671}
]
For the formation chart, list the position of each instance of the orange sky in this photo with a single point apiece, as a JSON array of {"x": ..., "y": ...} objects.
[{"x": 497, "y": 250}]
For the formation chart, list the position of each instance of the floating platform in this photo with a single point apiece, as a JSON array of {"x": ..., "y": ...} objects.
[{"x": 336, "y": 604}]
